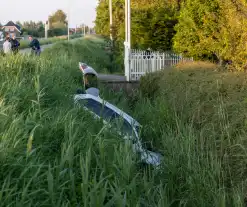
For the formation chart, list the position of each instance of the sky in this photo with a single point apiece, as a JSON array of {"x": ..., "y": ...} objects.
[{"x": 81, "y": 11}]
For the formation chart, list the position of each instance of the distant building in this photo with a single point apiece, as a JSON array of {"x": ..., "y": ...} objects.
[{"x": 12, "y": 29}]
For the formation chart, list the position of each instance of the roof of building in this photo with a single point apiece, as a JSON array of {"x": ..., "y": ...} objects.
[{"x": 12, "y": 24}]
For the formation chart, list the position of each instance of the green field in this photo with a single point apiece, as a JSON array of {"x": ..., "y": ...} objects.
[{"x": 54, "y": 154}]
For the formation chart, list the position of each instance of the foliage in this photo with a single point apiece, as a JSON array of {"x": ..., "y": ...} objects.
[
  {"x": 152, "y": 22},
  {"x": 213, "y": 29},
  {"x": 57, "y": 32},
  {"x": 35, "y": 29},
  {"x": 205, "y": 29},
  {"x": 152, "y": 25},
  {"x": 58, "y": 20}
]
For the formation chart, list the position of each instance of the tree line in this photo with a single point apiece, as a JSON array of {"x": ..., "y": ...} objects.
[
  {"x": 58, "y": 26},
  {"x": 204, "y": 29}
]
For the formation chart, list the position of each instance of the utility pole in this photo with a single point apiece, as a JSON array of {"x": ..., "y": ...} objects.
[
  {"x": 110, "y": 13},
  {"x": 129, "y": 23},
  {"x": 68, "y": 17},
  {"x": 127, "y": 43},
  {"x": 84, "y": 29},
  {"x": 46, "y": 29}
]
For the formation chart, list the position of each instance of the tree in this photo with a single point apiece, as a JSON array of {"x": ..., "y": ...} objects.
[
  {"x": 58, "y": 20},
  {"x": 19, "y": 23},
  {"x": 213, "y": 29},
  {"x": 32, "y": 28},
  {"x": 152, "y": 22}
]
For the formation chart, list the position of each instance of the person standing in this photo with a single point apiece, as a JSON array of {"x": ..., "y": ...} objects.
[
  {"x": 14, "y": 44},
  {"x": 7, "y": 46},
  {"x": 34, "y": 44}
]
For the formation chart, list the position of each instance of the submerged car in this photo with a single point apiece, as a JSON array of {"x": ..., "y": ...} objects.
[
  {"x": 129, "y": 128},
  {"x": 111, "y": 114}
]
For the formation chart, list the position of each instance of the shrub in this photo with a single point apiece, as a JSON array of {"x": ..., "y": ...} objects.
[{"x": 150, "y": 84}]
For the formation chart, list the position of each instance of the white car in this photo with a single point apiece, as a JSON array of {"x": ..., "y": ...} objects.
[{"x": 110, "y": 113}]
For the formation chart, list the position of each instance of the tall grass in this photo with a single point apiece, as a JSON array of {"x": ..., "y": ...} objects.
[
  {"x": 54, "y": 154},
  {"x": 197, "y": 113},
  {"x": 25, "y": 43}
]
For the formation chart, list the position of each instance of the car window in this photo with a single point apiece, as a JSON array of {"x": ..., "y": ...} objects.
[
  {"x": 110, "y": 115},
  {"x": 93, "y": 106},
  {"x": 100, "y": 109}
]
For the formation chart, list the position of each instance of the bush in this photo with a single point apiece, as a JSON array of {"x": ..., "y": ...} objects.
[{"x": 149, "y": 84}]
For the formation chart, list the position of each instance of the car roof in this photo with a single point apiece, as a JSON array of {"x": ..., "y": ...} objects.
[
  {"x": 114, "y": 108},
  {"x": 90, "y": 70}
]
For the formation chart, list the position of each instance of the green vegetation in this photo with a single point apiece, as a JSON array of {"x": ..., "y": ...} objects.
[
  {"x": 25, "y": 43},
  {"x": 58, "y": 26},
  {"x": 204, "y": 29},
  {"x": 197, "y": 113},
  {"x": 54, "y": 154},
  {"x": 152, "y": 22},
  {"x": 51, "y": 153},
  {"x": 213, "y": 29}
]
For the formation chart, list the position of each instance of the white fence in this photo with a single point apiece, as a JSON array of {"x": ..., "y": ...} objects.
[{"x": 142, "y": 62}]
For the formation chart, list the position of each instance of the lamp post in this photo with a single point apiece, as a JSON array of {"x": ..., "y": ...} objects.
[{"x": 127, "y": 43}]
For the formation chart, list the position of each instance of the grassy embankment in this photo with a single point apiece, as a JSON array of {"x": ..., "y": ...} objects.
[
  {"x": 25, "y": 43},
  {"x": 196, "y": 114},
  {"x": 53, "y": 154}
]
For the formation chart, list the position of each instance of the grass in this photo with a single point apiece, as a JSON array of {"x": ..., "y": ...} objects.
[
  {"x": 54, "y": 154},
  {"x": 196, "y": 115},
  {"x": 25, "y": 43}
]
